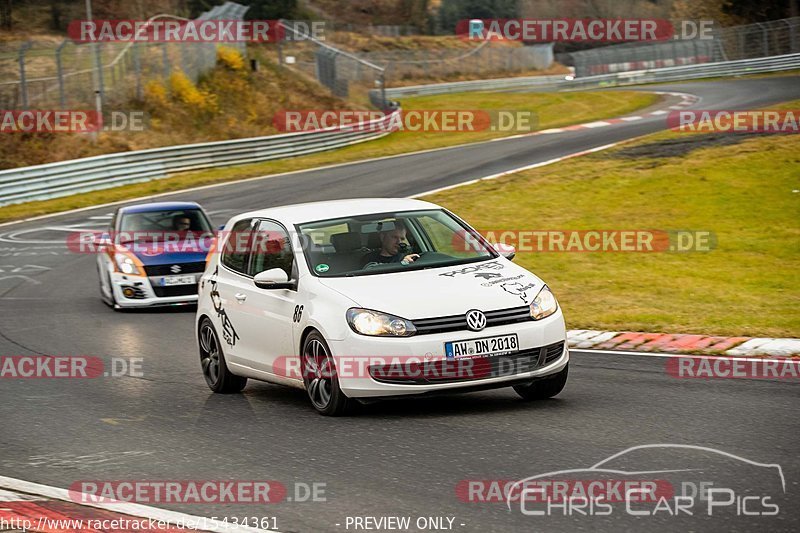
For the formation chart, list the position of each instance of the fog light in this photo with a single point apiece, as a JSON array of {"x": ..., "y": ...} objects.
[{"x": 128, "y": 292}]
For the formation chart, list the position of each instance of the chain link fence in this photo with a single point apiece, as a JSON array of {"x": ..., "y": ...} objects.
[
  {"x": 361, "y": 76},
  {"x": 48, "y": 75},
  {"x": 485, "y": 59},
  {"x": 347, "y": 75},
  {"x": 776, "y": 37}
]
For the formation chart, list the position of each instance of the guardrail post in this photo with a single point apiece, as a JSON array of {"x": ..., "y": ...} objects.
[
  {"x": 23, "y": 82},
  {"x": 62, "y": 99}
]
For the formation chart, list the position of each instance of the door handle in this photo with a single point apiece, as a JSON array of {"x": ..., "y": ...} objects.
[{"x": 240, "y": 297}]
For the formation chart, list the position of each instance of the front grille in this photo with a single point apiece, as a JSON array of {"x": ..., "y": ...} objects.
[
  {"x": 165, "y": 270},
  {"x": 553, "y": 352},
  {"x": 499, "y": 317},
  {"x": 175, "y": 290},
  {"x": 468, "y": 368}
]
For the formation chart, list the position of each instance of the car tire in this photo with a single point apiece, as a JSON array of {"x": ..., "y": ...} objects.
[
  {"x": 544, "y": 388},
  {"x": 319, "y": 377},
  {"x": 212, "y": 360}
]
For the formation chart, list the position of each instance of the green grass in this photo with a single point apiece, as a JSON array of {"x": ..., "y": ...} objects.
[
  {"x": 553, "y": 110},
  {"x": 745, "y": 193}
]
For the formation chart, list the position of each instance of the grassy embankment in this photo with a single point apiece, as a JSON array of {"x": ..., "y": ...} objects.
[{"x": 744, "y": 189}]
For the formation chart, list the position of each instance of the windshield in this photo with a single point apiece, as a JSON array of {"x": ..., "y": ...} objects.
[
  {"x": 390, "y": 242},
  {"x": 155, "y": 225}
]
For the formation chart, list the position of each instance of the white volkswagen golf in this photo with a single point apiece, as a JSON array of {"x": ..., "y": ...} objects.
[{"x": 372, "y": 298}]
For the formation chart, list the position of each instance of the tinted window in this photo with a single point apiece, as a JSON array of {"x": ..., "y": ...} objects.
[
  {"x": 168, "y": 220},
  {"x": 379, "y": 243},
  {"x": 271, "y": 249},
  {"x": 235, "y": 252}
]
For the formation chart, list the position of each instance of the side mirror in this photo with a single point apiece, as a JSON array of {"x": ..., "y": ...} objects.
[
  {"x": 102, "y": 241},
  {"x": 274, "y": 278},
  {"x": 506, "y": 250}
]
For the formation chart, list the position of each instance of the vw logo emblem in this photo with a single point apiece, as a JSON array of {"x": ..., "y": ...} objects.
[
  {"x": 175, "y": 269},
  {"x": 476, "y": 320}
]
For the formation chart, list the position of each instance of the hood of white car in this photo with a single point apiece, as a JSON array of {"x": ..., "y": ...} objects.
[{"x": 488, "y": 285}]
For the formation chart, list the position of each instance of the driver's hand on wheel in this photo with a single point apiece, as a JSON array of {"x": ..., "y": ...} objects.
[{"x": 410, "y": 258}]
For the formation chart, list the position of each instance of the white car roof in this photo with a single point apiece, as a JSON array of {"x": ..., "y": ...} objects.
[{"x": 313, "y": 211}]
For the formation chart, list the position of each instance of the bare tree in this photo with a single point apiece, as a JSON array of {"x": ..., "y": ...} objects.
[{"x": 5, "y": 14}]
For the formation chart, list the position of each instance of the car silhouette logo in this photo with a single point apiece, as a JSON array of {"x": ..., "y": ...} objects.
[
  {"x": 175, "y": 269},
  {"x": 476, "y": 320}
]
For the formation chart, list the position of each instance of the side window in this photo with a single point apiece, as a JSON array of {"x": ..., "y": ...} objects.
[
  {"x": 236, "y": 251},
  {"x": 272, "y": 248}
]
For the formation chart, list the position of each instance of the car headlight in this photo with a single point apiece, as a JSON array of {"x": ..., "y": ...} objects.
[
  {"x": 127, "y": 264},
  {"x": 376, "y": 324},
  {"x": 544, "y": 304}
]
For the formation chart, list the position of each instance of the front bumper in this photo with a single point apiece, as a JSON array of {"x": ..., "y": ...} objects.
[
  {"x": 144, "y": 294},
  {"x": 355, "y": 382}
]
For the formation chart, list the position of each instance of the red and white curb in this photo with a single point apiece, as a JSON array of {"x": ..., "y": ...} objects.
[
  {"x": 682, "y": 343},
  {"x": 26, "y": 506}
]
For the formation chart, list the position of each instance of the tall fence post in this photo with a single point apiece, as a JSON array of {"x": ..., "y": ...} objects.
[
  {"x": 185, "y": 61},
  {"x": 382, "y": 79},
  {"x": 137, "y": 67},
  {"x": 23, "y": 82},
  {"x": 764, "y": 39},
  {"x": 62, "y": 97},
  {"x": 792, "y": 43},
  {"x": 101, "y": 91},
  {"x": 165, "y": 59}
]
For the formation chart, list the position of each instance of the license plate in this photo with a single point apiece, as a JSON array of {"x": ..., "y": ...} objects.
[
  {"x": 178, "y": 280},
  {"x": 486, "y": 346}
]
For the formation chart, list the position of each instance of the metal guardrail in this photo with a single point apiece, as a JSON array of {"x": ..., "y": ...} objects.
[
  {"x": 63, "y": 178},
  {"x": 473, "y": 85},
  {"x": 685, "y": 72},
  {"x": 93, "y": 173}
]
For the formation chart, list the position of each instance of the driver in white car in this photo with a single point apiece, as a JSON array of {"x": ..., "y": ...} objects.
[{"x": 392, "y": 248}]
